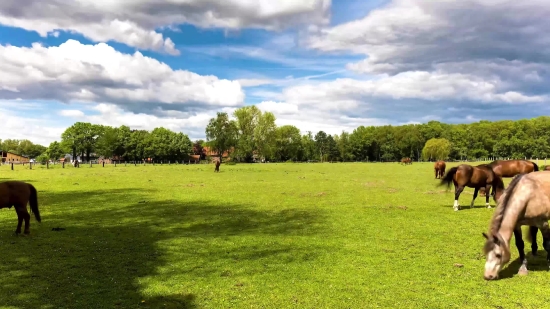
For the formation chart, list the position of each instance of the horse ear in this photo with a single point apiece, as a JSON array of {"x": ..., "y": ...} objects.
[
  {"x": 485, "y": 235},
  {"x": 496, "y": 240}
]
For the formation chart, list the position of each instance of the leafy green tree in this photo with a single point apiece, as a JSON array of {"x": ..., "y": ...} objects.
[
  {"x": 221, "y": 133},
  {"x": 287, "y": 143},
  {"x": 55, "y": 151},
  {"x": 436, "y": 148}
]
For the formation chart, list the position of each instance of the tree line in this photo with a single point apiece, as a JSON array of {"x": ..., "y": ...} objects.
[{"x": 252, "y": 135}]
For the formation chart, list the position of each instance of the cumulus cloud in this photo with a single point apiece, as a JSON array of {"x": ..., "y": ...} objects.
[
  {"x": 414, "y": 34},
  {"x": 98, "y": 73},
  {"x": 135, "y": 23},
  {"x": 36, "y": 129}
]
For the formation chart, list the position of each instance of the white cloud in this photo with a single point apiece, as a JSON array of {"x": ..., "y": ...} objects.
[
  {"x": 135, "y": 22},
  {"x": 78, "y": 72},
  {"x": 38, "y": 130},
  {"x": 71, "y": 113}
]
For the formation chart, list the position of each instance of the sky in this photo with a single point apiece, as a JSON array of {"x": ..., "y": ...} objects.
[{"x": 316, "y": 64}]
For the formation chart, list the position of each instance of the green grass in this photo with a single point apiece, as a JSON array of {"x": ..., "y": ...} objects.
[{"x": 352, "y": 235}]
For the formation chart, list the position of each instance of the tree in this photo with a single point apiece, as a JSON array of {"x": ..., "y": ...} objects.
[
  {"x": 264, "y": 135},
  {"x": 247, "y": 119},
  {"x": 198, "y": 149},
  {"x": 436, "y": 148},
  {"x": 321, "y": 144},
  {"x": 287, "y": 143},
  {"x": 55, "y": 151},
  {"x": 221, "y": 133}
]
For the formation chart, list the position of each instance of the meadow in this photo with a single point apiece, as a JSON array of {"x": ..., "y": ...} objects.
[{"x": 353, "y": 235}]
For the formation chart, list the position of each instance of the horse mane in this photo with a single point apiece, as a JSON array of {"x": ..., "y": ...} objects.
[{"x": 501, "y": 209}]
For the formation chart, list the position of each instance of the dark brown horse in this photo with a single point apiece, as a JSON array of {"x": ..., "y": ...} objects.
[
  {"x": 18, "y": 194},
  {"x": 439, "y": 168},
  {"x": 476, "y": 177},
  {"x": 217, "y": 169}
]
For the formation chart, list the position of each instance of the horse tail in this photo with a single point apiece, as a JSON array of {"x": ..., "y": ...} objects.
[
  {"x": 448, "y": 178},
  {"x": 535, "y": 167},
  {"x": 33, "y": 200}
]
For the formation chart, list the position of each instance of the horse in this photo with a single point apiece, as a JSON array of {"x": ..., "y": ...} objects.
[
  {"x": 18, "y": 194},
  {"x": 475, "y": 177},
  {"x": 511, "y": 168},
  {"x": 406, "y": 161},
  {"x": 217, "y": 169},
  {"x": 439, "y": 168},
  {"x": 546, "y": 168},
  {"x": 525, "y": 202}
]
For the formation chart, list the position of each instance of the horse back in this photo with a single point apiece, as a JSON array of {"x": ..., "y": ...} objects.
[{"x": 14, "y": 192}]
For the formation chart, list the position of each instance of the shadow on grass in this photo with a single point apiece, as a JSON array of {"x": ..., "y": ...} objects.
[
  {"x": 534, "y": 263},
  {"x": 467, "y": 207},
  {"x": 113, "y": 254}
]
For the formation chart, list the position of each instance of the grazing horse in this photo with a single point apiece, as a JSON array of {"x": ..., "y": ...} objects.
[
  {"x": 475, "y": 177},
  {"x": 406, "y": 161},
  {"x": 439, "y": 168},
  {"x": 18, "y": 194},
  {"x": 217, "y": 169},
  {"x": 511, "y": 168},
  {"x": 525, "y": 202}
]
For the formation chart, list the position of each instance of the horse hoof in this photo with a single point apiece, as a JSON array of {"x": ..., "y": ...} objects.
[{"x": 523, "y": 271}]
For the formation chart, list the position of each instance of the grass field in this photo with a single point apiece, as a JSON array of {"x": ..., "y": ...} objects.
[{"x": 358, "y": 235}]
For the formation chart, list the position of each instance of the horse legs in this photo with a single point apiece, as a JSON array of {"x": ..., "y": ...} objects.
[
  {"x": 458, "y": 190},
  {"x": 521, "y": 246},
  {"x": 20, "y": 221},
  {"x": 545, "y": 231},
  {"x": 436, "y": 173},
  {"x": 475, "y": 195},
  {"x": 27, "y": 218},
  {"x": 533, "y": 230},
  {"x": 487, "y": 195}
]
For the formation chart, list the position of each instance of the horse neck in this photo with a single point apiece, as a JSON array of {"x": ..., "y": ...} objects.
[{"x": 516, "y": 206}]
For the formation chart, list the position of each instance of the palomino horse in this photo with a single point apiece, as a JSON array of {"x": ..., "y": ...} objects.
[
  {"x": 439, "y": 168},
  {"x": 18, "y": 194},
  {"x": 525, "y": 202},
  {"x": 217, "y": 169},
  {"x": 475, "y": 177}
]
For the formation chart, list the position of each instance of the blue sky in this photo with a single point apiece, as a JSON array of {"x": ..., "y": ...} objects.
[{"x": 316, "y": 64}]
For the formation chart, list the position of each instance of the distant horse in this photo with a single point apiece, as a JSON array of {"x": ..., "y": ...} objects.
[
  {"x": 546, "y": 168},
  {"x": 217, "y": 169},
  {"x": 406, "y": 161},
  {"x": 476, "y": 177},
  {"x": 19, "y": 194},
  {"x": 439, "y": 168},
  {"x": 525, "y": 202}
]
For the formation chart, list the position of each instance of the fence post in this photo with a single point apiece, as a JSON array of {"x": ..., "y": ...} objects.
[{"x": 30, "y": 165}]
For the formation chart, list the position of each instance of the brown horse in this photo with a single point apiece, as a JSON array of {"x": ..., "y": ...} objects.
[
  {"x": 439, "y": 168},
  {"x": 511, "y": 168},
  {"x": 19, "y": 194},
  {"x": 525, "y": 202},
  {"x": 546, "y": 168},
  {"x": 217, "y": 169},
  {"x": 406, "y": 161},
  {"x": 475, "y": 177}
]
